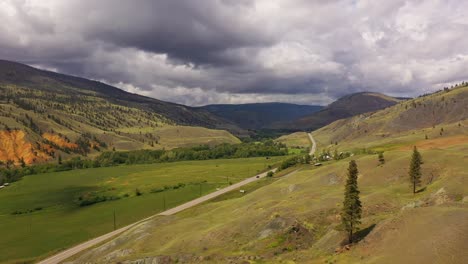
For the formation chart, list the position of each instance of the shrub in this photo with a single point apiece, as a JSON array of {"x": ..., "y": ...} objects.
[
  {"x": 157, "y": 190},
  {"x": 289, "y": 163},
  {"x": 138, "y": 192}
]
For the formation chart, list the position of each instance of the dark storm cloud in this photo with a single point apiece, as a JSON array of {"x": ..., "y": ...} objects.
[
  {"x": 198, "y": 32},
  {"x": 214, "y": 51}
]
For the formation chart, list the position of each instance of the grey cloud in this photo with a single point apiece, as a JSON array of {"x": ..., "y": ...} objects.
[
  {"x": 199, "y": 32},
  {"x": 210, "y": 51}
]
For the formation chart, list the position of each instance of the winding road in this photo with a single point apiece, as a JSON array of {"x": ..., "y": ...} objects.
[
  {"x": 88, "y": 244},
  {"x": 314, "y": 144}
]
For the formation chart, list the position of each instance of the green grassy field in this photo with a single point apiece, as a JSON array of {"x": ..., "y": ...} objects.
[
  {"x": 298, "y": 140},
  {"x": 62, "y": 223},
  {"x": 296, "y": 219}
]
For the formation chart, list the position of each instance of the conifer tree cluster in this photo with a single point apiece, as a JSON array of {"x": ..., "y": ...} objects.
[{"x": 351, "y": 212}]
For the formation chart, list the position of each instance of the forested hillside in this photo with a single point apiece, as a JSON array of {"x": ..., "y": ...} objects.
[{"x": 44, "y": 115}]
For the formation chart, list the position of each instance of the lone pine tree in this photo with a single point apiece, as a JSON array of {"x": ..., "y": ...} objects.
[
  {"x": 381, "y": 158},
  {"x": 351, "y": 212},
  {"x": 415, "y": 169}
]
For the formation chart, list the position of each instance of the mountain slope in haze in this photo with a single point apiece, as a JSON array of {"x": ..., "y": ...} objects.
[
  {"x": 45, "y": 114},
  {"x": 260, "y": 115},
  {"x": 297, "y": 218},
  {"x": 346, "y": 106}
]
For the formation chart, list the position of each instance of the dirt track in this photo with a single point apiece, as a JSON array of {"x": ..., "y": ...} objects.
[{"x": 314, "y": 144}]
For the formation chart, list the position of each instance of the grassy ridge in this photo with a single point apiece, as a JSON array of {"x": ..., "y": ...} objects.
[
  {"x": 61, "y": 222},
  {"x": 433, "y": 116}
]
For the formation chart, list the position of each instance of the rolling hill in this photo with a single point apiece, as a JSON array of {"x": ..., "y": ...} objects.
[
  {"x": 346, "y": 106},
  {"x": 425, "y": 118},
  {"x": 45, "y": 114},
  {"x": 260, "y": 115},
  {"x": 296, "y": 219}
]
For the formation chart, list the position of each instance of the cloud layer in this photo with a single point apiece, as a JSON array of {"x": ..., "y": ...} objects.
[{"x": 219, "y": 51}]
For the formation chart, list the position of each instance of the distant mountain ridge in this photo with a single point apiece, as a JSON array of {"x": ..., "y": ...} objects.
[
  {"x": 344, "y": 107},
  {"x": 260, "y": 115}
]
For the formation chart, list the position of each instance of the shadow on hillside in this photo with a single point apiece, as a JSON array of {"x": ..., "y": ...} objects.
[
  {"x": 361, "y": 234},
  {"x": 421, "y": 190}
]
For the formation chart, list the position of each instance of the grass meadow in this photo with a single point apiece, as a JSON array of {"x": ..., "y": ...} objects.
[{"x": 41, "y": 214}]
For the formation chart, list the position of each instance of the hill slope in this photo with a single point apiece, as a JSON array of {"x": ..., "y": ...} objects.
[
  {"x": 296, "y": 219},
  {"x": 29, "y": 77},
  {"x": 261, "y": 115},
  {"x": 44, "y": 113},
  {"x": 347, "y": 106},
  {"x": 428, "y": 117}
]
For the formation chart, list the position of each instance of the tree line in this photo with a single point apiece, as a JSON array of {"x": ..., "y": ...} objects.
[{"x": 114, "y": 158}]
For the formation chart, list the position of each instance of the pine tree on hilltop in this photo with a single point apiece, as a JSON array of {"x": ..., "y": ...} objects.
[
  {"x": 351, "y": 212},
  {"x": 415, "y": 169}
]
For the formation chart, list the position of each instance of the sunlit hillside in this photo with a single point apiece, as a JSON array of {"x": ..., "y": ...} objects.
[
  {"x": 44, "y": 115},
  {"x": 432, "y": 117}
]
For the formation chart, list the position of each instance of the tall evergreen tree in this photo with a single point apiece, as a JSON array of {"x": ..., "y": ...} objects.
[
  {"x": 415, "y": 169},
  {"x": 351, "y": 212},
  {"x": 381, "y": 158}
]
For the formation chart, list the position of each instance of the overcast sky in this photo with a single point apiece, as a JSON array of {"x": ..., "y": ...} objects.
[{"x": 199, "y": 52}]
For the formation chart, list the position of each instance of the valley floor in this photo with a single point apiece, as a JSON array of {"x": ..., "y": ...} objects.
[
  {"x": 296, "y": 219},
  {"x": 41, "y": 213}
]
